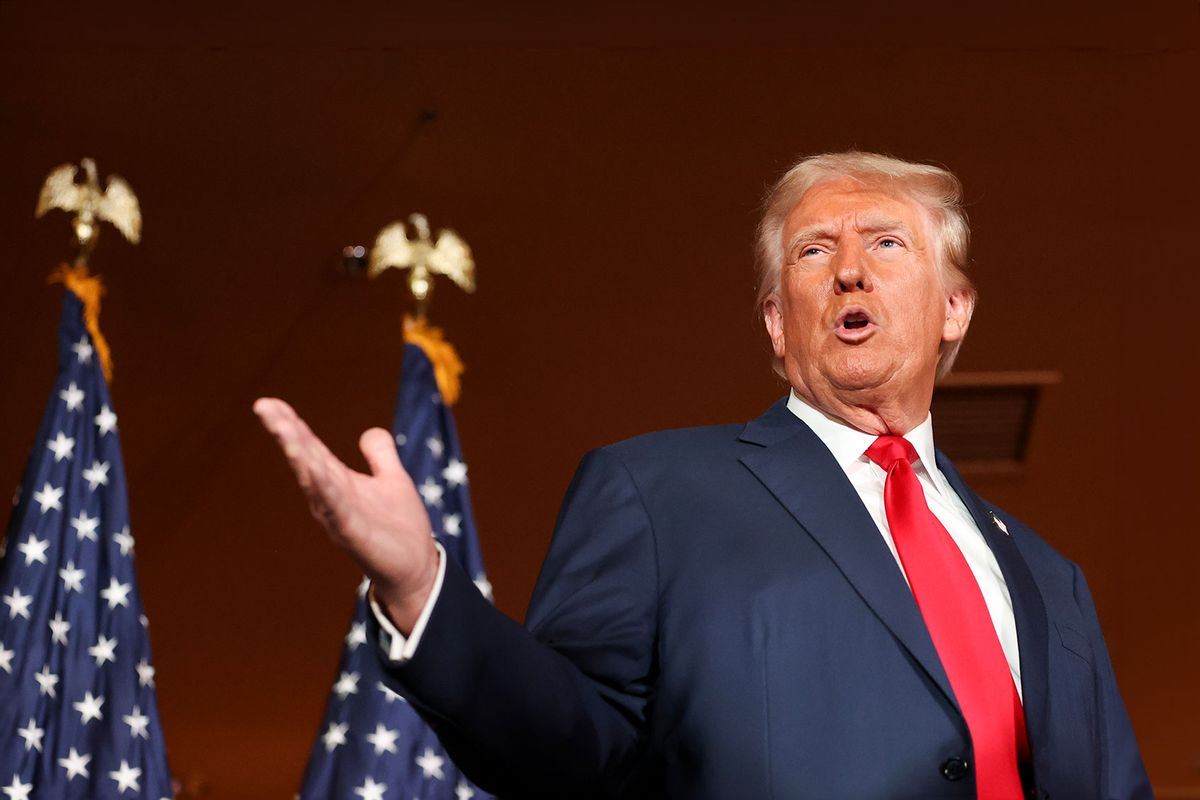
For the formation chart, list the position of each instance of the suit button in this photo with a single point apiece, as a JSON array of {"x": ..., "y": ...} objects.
[{"x": 954, "y": 769}]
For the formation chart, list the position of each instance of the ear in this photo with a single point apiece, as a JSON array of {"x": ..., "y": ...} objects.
[
  {"x": 960, "y": 305},
  {"x": 773, "y": 319}
]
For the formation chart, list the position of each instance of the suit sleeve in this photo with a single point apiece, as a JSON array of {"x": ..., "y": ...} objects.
[
  {"x": 1123, "y": 774},
  {"x": 559, "y": 709}
]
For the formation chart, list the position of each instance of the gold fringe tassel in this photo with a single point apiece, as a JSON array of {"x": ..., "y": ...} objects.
[
  {"x": 447, "y": 367},
  {"x": 88, "y": 288}
]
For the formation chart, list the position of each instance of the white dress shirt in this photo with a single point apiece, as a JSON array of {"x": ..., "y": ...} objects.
[
  {"x": 398, "y": 647},
  {"x": 848, "y": 447}
]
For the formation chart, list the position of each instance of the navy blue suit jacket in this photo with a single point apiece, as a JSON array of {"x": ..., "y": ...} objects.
[{"x": 719, "y": 617}]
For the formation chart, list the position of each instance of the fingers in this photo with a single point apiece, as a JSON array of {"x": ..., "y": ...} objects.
[
  {"x": 271, "y": 412},
  {"x": 280, "y": 420},
  {"x": 294, "y": 436},
  {"x": 315, "y": 466},
  {"x": 379, "y": 448}
]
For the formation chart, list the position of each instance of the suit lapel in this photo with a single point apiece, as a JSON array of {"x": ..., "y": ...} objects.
[
  {"x": 1028, "y": 606},
  {"x": 797, "y": 468}
]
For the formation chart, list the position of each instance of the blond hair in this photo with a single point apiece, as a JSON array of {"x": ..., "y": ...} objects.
[{"x": 936, "y": 189}]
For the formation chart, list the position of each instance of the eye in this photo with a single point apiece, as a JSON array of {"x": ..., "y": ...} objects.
[
  {"x": 889, "y": 243},
  {"x": 809, "y": 254}
]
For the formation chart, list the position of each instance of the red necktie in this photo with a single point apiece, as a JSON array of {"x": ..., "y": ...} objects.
[{"x": 958, "y": 621}]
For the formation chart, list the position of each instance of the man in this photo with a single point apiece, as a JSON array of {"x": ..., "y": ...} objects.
[{"x": 810, "y": 605}]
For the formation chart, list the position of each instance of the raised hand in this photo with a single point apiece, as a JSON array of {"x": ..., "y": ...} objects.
[{"x": 378, "y": 518}]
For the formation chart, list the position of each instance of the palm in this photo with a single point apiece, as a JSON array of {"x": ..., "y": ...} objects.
[{"x": 378, "y": 517}]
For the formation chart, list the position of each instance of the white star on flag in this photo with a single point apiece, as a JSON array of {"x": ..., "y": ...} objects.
[
  {"x": 62, "y": 446},
  {"x": 463, "y": 791},
  {"x": 106, "y": 420},
  {"x": 357, "y": 635},
  {"x": 85, "y": 526},
  {"x": 72, "y": 578},
  {"x": 125, "y": 540},
  {"x": 452, "y": 524},
  {"x": 48, "y": 498},
  {"x": 6, "y": 657},
  {"x": 335, "y": 736},
  {"x": 17, "y": 790},
  {"x": 347, "y": 684},
  {"x": 137, "y": 722},
  {"x": 484, "y": 586},
  {"x": 435, "y": 446},
  {"x": 72, "y": 396},
  {"x": 117, "y": 593},
  {"x": 431, "y": 764},
  {"x": 104, "y": 649},
  {"x": 89, "y": 708},
  {"x": 18, "y": 604},
  {"x": 383, "y": 740},
  {"x": 96, "y": 475},
  {"x": 455, "y": 473},
  {"x": 388, "y": 693},
  {"x": 76, "y": 764},
  {"x": 34, "y": 549},
  {"x": 431, "y": 492},
  {"x": 46, "y": 681},
  {"x": 126, "y": 777},
  {"x": 145, "y": 673},
  {"x": 32, "y": 735},
  {"x": 83, "y": 350},
  {"x": 370, "y": 790},
  {"x": 59, "y": 628}
]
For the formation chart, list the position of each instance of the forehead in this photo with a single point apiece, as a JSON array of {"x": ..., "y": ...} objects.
[{"x": 840, "y": 202}]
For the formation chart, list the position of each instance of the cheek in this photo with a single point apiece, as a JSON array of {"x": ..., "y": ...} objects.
[
  {"x": 926, "y": 305},
  {"x": 803, "y": 302},
  {"x": 800, "y": 325},
  {"x": 937, "y": 325}
]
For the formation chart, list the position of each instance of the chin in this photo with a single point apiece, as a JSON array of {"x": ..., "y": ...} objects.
[{"x": 859, "y": 373}]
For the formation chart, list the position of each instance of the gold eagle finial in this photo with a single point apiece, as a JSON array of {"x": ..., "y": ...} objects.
[
  {"x": 116, "y": 203},
  {"x": 449, "y": 256}
]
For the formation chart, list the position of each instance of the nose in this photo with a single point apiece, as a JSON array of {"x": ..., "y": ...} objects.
[{"x": 850, "y": 271}]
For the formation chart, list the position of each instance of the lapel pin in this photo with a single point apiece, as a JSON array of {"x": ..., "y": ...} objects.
[{"x": 999, "y": 523}]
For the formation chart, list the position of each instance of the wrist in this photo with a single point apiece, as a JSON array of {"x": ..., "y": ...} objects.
[{"x": 403, "y": 602}]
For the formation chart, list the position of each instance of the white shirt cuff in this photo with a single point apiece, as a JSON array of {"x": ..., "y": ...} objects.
[{"x": 396, "y": 646}]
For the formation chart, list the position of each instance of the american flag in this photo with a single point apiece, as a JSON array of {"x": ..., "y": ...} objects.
[
  {"x": 371, "y": 744},
  {"x": 78, "y": 713}
]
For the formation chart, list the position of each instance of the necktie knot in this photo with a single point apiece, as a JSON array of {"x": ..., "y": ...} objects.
[{"x": 887, "y": 451}]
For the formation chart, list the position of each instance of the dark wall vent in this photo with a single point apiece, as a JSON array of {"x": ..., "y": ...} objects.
[{"x": 983, "y": 420}]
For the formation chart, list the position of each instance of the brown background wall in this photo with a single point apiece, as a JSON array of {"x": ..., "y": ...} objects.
[{"x": 605, "y": 167}]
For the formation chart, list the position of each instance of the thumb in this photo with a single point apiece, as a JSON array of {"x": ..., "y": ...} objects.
[{"x": 379, "y": 449}]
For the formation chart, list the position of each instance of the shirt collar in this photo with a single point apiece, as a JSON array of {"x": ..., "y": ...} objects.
[{"x": 849, "y": 446}]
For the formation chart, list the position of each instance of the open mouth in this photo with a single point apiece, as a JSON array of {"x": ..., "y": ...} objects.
[{"x": 854, "y": 324}]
